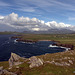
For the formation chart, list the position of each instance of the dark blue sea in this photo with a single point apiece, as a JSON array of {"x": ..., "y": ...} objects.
[{"x": 8, "y": 45}]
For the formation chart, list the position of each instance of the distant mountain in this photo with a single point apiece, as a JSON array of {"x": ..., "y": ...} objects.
[{"x": 52, "y": 31}]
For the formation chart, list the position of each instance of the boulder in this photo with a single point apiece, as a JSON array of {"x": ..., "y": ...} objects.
[
  {"x": 1, "y": 70},
  {"x": 14, "y": 60},
  {"x": 5, "y": 72},
  {"x": 35, "y": 62}
]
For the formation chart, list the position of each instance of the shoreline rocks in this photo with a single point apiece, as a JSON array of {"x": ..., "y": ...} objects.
[{"x": 65, "y": 45}]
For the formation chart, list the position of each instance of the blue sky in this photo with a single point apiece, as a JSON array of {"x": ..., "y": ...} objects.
[{"x": 47, "y": 10}]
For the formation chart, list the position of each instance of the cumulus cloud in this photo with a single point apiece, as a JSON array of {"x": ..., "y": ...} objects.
[
  {"x": 12, "y": 22},
  {"x": 54, "y": 24},
  {"x": 1, "y": 17}
]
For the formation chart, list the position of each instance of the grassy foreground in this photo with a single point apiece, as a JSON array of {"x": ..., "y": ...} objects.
[{"x": 57, "y": 59}]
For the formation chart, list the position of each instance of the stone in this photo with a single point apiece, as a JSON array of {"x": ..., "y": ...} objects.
[
  {"x": 8, "y": 73},
  {"x": 1, "y": 70},
  {"x": 70, "y": 61},
  {"x": 5, "y": 72},
  {"x": 35, "y": 62},
  {"x": 14, "y": 60}
]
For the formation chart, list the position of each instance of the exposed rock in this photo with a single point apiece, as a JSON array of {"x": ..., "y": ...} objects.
[
  {"x": 58, "y": 63},
  {"x": 1, "y": 70},
  {"x": 70, "y": 61},
  {"x": 8, "y": 73},
  {"x": 5, "y": 72},
  {"x": 35, "y": 62},
  {"x": 62, "y": 64},
  {"x": 14, "y": 60}
]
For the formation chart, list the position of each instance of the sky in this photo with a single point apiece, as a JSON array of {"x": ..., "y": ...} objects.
[
  {"x": 47, "y": 10},
  {"x": 59, "y": 11}
]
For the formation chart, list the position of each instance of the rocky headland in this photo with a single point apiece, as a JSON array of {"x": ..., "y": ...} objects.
[{"x": 20, "y": 65}]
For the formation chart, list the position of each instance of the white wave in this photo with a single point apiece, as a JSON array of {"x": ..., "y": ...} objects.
[
  {"x": 65, "y": 48},
  {"x": 52, "y": 45},
  {"x": 15, "y": 41},
  {"x": 59, "y": 46},
  {"x": 27, "y": 42}
]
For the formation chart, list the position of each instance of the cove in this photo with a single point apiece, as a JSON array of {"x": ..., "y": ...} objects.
[{"x": 8, "y": 45}]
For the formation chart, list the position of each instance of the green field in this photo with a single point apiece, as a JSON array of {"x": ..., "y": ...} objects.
[{"x": 63, "y": 38}]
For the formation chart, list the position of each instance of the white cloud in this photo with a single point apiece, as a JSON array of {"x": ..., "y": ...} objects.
[
  {"x": 26, "y": 9},
  {"x": 35, "y": 29},
  {"x": 46, "y": 5},
  {"x": 4, "y": 4},
  {"x": 72, "y": 18},
  {"x": 25, "y": 23},
  {"x": 54, "y": 24},
  {"x": 1, "y": 17}
]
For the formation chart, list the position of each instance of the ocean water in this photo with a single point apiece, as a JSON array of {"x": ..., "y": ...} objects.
[{"x": 8, "y": 45}]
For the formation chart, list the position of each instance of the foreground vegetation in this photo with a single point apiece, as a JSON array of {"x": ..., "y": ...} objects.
[{"x": 52, "y": 62}]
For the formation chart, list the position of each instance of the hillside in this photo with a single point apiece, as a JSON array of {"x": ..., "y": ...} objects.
[{"x": 54, "y": 64}]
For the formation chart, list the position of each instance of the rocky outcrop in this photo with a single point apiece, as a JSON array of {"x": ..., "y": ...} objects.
[
  {"x": 5, "y": 72},
  {"x": 14, "y": 60},
  {"x": 1, "y": 70},
  {"x": 28, "y": 41},
  {"x": 35, "y": 62}
]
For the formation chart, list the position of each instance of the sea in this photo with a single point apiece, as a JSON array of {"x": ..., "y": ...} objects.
[{"x": 23, "y": 49}]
